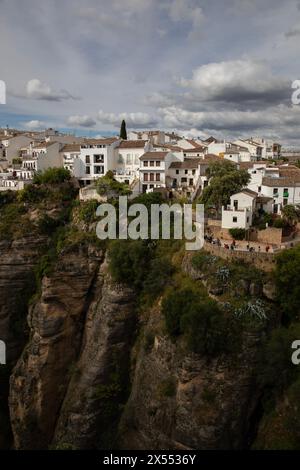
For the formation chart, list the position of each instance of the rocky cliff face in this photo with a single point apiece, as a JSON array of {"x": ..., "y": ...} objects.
[
  {"x": 184, "y": 401},
  {"x": 86, "y": 380},
  {"x": 80, "y": 329},
  {"x": 18, "y": 260}
]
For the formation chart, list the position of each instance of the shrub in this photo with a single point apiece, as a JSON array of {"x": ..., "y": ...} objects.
[
  {"x": 87, "y": 211},
  {"x": 52, "y": 176},
  {"x": 237, "y": 233},
  {"x": 107, "y": 185},
  {"x": 129, "y": 261},
  {"x": 159, "y": 273},
  {"x": 205, "y": 328},
  {"x": 279, "y": 223},
  {"x": 47, "y": 225},
  {"x": 32, "y": 194},
  {"x": 174, "y": 306},
  {"x": 287, "y": 277}
]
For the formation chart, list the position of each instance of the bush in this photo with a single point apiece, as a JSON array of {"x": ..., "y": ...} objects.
[
  {"x": 129, "y": 261},
  {"x": 238, "y": 233},
  {"x": 87, "y": 211},
  {"x": 287, "y": 277},
  {"x": 159, "y": 273},
  {"x": 32, "y": 194},
  {"x": 205, "y": 328},
  {"x": 47, "y": 225},
  {"x": 199, "y": 320},
  {"x": 279, "y": 223},
  {"x": 107, "y": 185},
  {"x": 174, "y": 306},
  {"x": 52, "y": 176}
]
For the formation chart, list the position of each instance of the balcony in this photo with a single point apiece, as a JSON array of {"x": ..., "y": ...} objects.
[
  {"x": 275, "y": 195},
  {"x": 285, "y": 194}
]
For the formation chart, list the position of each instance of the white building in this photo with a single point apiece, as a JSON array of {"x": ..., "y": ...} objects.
[
  {"x": 97, "y": 157},
  {"x": 153, "y": 169},
  {"x": 183, "y": 176},
  {"x": 127, "y": 159},
  {"x": 42, "y": 156},
  {"x": 69, "y": 153},
  {"x": 12, "y": 146},
  {"x": 240, "y": 211}
]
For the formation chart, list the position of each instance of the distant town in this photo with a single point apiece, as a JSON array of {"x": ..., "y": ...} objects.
[{"x": 153, "y": 160}]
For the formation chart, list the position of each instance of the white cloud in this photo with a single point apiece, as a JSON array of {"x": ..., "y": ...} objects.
[
  {"x": 41, "y": 91},
  {"x": 134, "y": 120},
  {"x": 81, "y": 121},
  {"x": 34, "y": 124},
  {"x": 236, "y": 81}
]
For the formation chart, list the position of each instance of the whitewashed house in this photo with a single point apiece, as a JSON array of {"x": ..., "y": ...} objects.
[
  {"x": 127, "y": 160},
  {"x": 12, "y": 146},
  {"x": 240, "y": 212},
  {"x": 97, "y": 157},
  {"x": 153, "y": 169},
  {"x": 69, "y": 153}
]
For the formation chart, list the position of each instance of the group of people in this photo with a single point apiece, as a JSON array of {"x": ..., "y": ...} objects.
[{"x": 232, "y": 246}]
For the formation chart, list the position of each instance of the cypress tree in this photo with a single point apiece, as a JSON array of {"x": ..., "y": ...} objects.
[{"x": 123, "y": 132}]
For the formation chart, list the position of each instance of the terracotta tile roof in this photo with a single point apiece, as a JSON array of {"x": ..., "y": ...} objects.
[
  {"x": 249, "y": 192},
  {"x": 71, "y": 148},
  {"x": 104, "y": 141},
  {"x": 154, "y": 156},
  {"x": 128, "y": 144},
  {"x": 187, "y": 164},
  {"x": 281, "y": 182},
  {"x": 195, "y": 149}
]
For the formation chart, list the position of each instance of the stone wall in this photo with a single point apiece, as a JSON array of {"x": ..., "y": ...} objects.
[{"x": 264, "y": 261}]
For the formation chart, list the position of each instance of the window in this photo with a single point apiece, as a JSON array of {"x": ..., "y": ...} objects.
[
  {"x": 183, "y": 180},
  {"x": 128, "y": 159},
  {"x": 275, "y": 191},
  {"x": 151, "y": 176},
  {"x": 98, "y": 170},
  {"x": 87, "y": 170},
  {"x": 235, "y": 204},
  {"x": 120, "y": 159},
  {"x": 259, "y": 189},
  {"x": 151, "y": 163},
  {"x": 234, "y": 219},
  {"x": 157, "y": 177},
  {"x": 146, "y": 163},
  {"x": 98, "y": 158},
  {"x": 193, "y": 172},
  {"x": 87, "y": 159},
  {"x": 177, "y": 172},
  {"x": 145, "y": 176},
  {"x": 158, "y": 163},
  {"x": 185, "y": 172},
  {"x": 247, "y": 220}
]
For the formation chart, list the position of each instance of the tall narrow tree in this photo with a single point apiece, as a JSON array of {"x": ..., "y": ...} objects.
[{"x": 123, "y": 132}]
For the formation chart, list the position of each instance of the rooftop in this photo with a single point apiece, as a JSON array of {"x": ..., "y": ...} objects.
[{"x": 154, "y": 156}]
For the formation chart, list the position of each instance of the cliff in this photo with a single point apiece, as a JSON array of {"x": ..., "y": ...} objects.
[{"x": 97, "y": 364}]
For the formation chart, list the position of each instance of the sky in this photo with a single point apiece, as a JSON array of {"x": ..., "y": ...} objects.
[{"x": 198, "y": 67}]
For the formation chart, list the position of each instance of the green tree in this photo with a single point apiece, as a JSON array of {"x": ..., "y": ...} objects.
[
  {"x": 225, "y": 180},
  {"x": 123, "y": 132},
  {"x": 287, "y": 276},
  {"x": 291, "y": 214}
]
